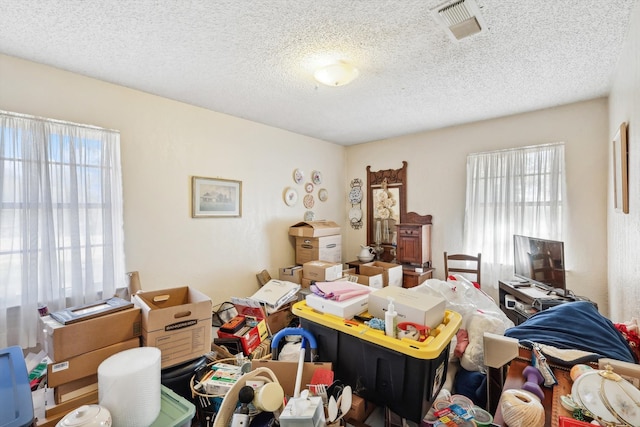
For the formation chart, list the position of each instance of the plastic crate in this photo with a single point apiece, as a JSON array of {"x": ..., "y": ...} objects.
[
  {"x": 176, "y": 411},
  {"x": 16, "y": 409},
  {"x": 401, "y": 374}
]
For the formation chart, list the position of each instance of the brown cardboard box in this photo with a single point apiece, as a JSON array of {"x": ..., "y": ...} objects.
[
  {"x": 360, "y": 409},
  {"x": 286, "y": 372},
  {"x": 291, "y": 274},
  {"x": 62, "y": 342},
  {"x": 74, "y": 389},
  {"x": 321, "y": 271},
  {"x": 85, "y": 364},
  {"x": 391, "y": 273},
  {"x": 327, "y": 248},
  {"x": 177, "y": 321},
  {"x": 314, "y": 229},
  {"x": 64, "y": 408}
]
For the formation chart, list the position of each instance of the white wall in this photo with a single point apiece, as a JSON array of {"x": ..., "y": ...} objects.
[
  {"x": 163, "y": 144},
  {"x": 436, "y": 181},
  {"x": 624, "y": 230}
]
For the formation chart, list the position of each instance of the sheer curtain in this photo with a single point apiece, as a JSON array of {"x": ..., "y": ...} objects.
[
  {"x": 61, "y": 227},
  {"x": 516, "y": 191}
]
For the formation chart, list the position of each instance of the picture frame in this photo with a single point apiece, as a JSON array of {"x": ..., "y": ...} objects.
[
  {"x": 215, "y": 197},
  {"x": 620, "y": 170}
]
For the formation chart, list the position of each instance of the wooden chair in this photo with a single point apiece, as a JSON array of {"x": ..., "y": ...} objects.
[{"x": 466, "y": 264}]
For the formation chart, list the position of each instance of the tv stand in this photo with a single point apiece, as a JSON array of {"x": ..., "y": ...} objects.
[{"x": 529, "y": 299}]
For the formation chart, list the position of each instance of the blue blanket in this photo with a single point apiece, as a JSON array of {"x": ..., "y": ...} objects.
[{"x": 575, "y": 325}]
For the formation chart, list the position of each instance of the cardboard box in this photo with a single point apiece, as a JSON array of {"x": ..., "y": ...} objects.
[
  {"x": 250, "y": 337},
  {"x": 411, "y": 305},
  {"x": 314, "y": 229},
  {"x": 276, "y": 320},
  {"x": 328, "y": 248},
  {"x": 177, "y": 321},
  {"x": 85, "y": 364},
  {"x": 62, "y": 342},
  {"x": 221, "y": 378},
  {"x": 291, "y": 274},
  {"x": 321, "y": 271},
  {"x": 376, "y": 281},
  {"x": 391, "y": 273},
  {"x": 360, "y": 409},
  {"x": 75, "y": 389},
  {"x": 286, "y": 372},
  {"x": 68, "y": 406}
]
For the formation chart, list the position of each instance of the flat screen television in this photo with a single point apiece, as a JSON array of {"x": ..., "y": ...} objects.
[{"x": 541, "y": 262}]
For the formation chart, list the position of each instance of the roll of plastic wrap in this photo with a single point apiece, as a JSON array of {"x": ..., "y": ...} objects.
[{"x": 129, "y": 386}]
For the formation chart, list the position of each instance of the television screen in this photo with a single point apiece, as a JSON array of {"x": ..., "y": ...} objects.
[{"x": 540, "y": 261}]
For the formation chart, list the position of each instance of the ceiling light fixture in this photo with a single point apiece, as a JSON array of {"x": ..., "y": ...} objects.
[{"x": 338, "y": 74}]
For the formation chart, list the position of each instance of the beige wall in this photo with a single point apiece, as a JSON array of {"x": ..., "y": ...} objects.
[
  {"x": 163, "y": 144},
  {"x": 624, "y": 230},
  {"x": 436, "y": 181}
]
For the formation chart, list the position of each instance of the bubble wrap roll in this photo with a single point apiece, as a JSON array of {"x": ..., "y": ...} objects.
[{"x": 129, "y": 386}]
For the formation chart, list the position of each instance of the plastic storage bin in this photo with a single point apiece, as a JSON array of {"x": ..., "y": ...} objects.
[
  {"x": 175, "y": 411},
  {"x": 401, "y": 374},
  {"x": 16, "y": 409}
]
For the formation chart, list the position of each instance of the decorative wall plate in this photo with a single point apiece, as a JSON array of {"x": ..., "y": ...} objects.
[
  {"x": 290, "y": 196},
  {"x": 309, "y": 216},
  {"x": 355, "y": 214},
  {"x": 355, "y": 195},
  {"x": 316, "y": 177},
  {"x": 308, "y": 187},
  {"x": 308, "y": 201},
  {"x": 323, "y": 195},
  {"x": 298, "y": 176}
]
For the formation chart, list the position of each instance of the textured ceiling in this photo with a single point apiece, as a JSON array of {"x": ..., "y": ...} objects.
[{"x": 255, "y": 59}]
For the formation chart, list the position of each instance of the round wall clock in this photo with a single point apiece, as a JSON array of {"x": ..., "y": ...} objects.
[
  {"x": 298, "y": 176},
  {"x": 316, "y": 177},
  {"x": 323, "y": 195},
  {"x": 290, "y": 196}
]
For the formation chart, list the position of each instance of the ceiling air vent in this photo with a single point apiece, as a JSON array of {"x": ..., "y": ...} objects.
[{"x": 460, "y": 19}]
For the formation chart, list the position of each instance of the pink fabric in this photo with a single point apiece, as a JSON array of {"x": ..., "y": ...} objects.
[{"x": 339, "y": 290}]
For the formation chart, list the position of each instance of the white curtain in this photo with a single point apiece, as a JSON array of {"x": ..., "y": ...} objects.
[
  {"x": 516, "y": 191},
  {"x": 61, "y": 227}
]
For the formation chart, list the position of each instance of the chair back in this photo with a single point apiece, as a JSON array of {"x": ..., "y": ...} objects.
[{"x": 464, "y": 264}]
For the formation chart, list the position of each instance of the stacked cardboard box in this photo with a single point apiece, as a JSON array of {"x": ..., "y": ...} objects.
[
  {"x": 77, "y": 349},
  {"x": 317, "y": 241},
  {"x": 177, "y": 321}
]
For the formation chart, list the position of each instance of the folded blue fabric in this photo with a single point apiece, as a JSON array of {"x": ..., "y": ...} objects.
[{"x": 575, "y": 325}]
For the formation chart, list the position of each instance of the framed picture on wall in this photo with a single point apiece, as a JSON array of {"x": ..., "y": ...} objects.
[
  {"x": 620, "y": 170},
  {"x": 215, "y": 197}
]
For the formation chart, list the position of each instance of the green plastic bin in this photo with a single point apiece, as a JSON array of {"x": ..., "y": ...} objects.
[{"x": 176, "y": 411}]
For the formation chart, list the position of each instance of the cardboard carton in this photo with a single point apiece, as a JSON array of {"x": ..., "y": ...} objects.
[
  {"x": 286, "y": 372},
  {"x": 85, "y": 364},
  {"x": 177, "y": 321},
  {"x": 391, "y": 273},
  {"x": 411, "y": 306},
  {"x": 62, "y": 342},
  {"x": 291, "y": 274},
  {"x": 321, "y": 271},
  {"x": 314, "y": 229},
  {"x": 327, "y": 248}
]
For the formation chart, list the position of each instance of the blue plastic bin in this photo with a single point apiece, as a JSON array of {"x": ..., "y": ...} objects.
[{"x": 16, "y": 409}]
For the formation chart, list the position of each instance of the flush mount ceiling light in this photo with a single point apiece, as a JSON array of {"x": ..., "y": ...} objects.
[{"x": 337, "y": 74}]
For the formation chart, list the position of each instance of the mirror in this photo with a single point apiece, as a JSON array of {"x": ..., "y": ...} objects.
[{"x": 386, "y": 205}]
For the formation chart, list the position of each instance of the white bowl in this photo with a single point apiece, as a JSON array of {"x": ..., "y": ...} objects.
[{"x": 367, "y": 259}]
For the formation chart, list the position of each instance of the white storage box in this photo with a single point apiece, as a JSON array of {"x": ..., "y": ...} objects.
[
  {"x": 345, "y": 309},
  {"x": 411, "y": 306}
]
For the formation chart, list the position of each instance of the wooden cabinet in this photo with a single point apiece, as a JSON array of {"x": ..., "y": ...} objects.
[
  {"x": 411, "y": 278},
  {"x": 414, "y": 244}
]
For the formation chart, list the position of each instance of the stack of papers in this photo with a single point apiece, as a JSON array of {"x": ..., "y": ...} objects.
[{"x": 274, "y": 294}]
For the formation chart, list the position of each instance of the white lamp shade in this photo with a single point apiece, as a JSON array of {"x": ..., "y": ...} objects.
[{"x": 337, "y": 74}]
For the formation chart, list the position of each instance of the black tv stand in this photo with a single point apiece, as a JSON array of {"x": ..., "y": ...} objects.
[{"x": 530, "y": 299}]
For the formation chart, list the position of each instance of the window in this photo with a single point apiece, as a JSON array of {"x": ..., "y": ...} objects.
[
  {"x": 516, "y": 191},
  {"x": 61, "y": 229}
]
